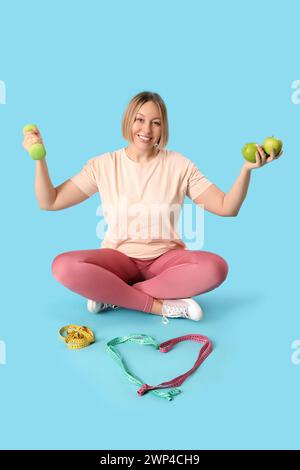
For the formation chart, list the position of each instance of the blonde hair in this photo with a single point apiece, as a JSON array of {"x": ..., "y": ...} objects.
[{"x": 133, "y": 107}]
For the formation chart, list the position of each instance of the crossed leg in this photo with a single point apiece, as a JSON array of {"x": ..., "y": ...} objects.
[
  {"x": 103, "y": 275},
  {"x": 183, "y": 273},
  {"x": 110, "y": 276}
]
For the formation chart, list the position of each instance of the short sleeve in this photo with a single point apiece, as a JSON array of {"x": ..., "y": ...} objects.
[
  {"x": 86, "y": 179},
  {"x": 197, "y": 183}
]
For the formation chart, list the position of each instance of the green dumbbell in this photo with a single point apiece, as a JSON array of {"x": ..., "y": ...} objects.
[{"x": 36, "y": 151}]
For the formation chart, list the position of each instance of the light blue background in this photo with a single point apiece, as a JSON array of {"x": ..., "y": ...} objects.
[{"x": 225, "y": 71}]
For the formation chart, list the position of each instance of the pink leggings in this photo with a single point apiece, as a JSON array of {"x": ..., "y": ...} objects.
[{"x": 110, "y": 276}]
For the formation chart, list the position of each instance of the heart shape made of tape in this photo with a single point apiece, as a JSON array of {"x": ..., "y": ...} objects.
[{"x": 165, "y": 347}]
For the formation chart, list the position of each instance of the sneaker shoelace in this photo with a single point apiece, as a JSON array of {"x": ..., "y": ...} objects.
[
  {"x": 174, "y": 310},
  {"x": 103, "y": 306}
]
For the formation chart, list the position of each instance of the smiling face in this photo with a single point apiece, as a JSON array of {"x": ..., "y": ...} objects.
[{"x": 146, "y": 128}]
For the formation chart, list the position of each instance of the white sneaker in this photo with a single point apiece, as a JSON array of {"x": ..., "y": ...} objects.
[
  {"x": 181, "y": 308},
  {"x": 96, "y": 307}
]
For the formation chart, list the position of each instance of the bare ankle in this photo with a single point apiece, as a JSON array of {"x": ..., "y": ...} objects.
[{"x": 156, "y": 308}]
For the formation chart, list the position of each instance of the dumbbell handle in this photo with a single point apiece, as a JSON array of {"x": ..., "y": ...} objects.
[{"x": 36, "y": 151}]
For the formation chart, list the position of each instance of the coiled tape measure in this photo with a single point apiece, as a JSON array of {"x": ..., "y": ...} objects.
[{"x": 76, "y": 336}]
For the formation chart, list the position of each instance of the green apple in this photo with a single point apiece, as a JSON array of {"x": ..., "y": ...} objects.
[
  {"x": 249, "y": 150},
  {"x": 271, "y": 143}
]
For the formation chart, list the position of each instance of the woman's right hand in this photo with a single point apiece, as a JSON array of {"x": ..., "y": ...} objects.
[{"x": 30, "y": 138}]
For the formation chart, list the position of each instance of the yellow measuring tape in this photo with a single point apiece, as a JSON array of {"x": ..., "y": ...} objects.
[{"x": 76, "y": 336}]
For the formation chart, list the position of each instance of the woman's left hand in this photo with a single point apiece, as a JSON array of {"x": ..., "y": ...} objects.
[{"x": 262, "y": 158}]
